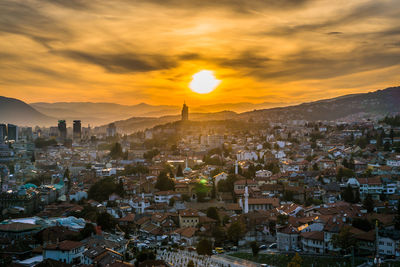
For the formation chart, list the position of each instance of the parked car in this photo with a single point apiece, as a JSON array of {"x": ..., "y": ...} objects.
[
  {"x": 273, "y": 246},
  {"x": 234, "y": 248},
  {"x": 263, "y": 247}
]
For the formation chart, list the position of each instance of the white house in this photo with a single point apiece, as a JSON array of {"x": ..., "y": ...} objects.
[
  {"x": 78, "y": 195},
  {"x": 219, "y": 177},
  {"x": 67, "y": 251}
]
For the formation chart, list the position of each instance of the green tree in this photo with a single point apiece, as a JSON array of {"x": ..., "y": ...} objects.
[
  {"x": 347, "y": 194},
  {"x": 87, "y": 231},
  {"x": 201, "y": 191},
  {"x": 106, "y": 221},
  {"x": 368, "y": 203},
  {"x": 116, "y": 151},
  {"x": 219, "y": 235},
  {"x": 212, "y": 212},
  {"x": 190, "y": 264},
  {"x": 164, "y": 183},
  {"x": 204, "y": 247},
  {"x": 254, "y": 248},
  {"x": 236, "y": 231},
  {"x": 179, "y": 172},
  {"x": 171, "y": 202},
  {"x": 344, "y": 240}
]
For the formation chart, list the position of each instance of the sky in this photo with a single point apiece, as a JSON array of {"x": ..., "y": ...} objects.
[{"x": 127, "y": 52}]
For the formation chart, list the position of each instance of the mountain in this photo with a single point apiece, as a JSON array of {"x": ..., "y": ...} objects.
[
  {"x": 20, "y": 113},
  {"x": 103, "y": 113},
  {"x": 348, "y": 107},
  {"x": 141, "y": 123}
]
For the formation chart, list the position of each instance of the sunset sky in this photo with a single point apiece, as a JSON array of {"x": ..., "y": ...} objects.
[{"x": 127, "y": 52}]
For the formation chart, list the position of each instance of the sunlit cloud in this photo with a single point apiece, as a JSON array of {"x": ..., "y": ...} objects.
[{"x": 128, "y": 52}]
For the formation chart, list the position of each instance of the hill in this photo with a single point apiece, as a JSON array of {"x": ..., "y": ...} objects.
[
  {"x": 347, "y": 107},
  {"x": 20, "y": 113},
  {"x": 141, "y": 123}
]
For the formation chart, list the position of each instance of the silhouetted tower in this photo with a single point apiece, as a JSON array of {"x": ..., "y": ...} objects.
[
  {"x": 62, "y": 130},
  {"x": 77, "y": 130},
  {"x": 185, "y": 112}
]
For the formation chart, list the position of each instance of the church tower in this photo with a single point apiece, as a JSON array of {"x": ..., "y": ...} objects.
[{"x": 185, "y": 112}]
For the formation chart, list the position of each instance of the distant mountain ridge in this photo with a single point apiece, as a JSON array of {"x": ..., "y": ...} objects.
[
  {"x": 142, "y": 116},
  {"x": 378, "y": 103},
  {"x": 102, "y": 113},
  {"x": 17, "y": 112}
]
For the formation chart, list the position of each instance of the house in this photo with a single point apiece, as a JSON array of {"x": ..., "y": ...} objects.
[
  {"x": 17, "y": 230},
  {"x": 188, "y": 218},
  {"x": 165, "y": 196},
  {"x": 100, "y": 256},
  {"x": 187, "y": 235},
  {"x": 389, "y": 242},
  {"x": 262, "y": 203},
  {"x": 67, "y": 251},
  {"x": 370, "y": 186},
  {"x": 287, "y": 238},
  {"x": 219, "y": 177},
  {"x": 313, "y": 242}
]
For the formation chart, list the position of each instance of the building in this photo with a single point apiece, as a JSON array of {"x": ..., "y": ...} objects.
[
  {"x": 188, "y": 218},
  {"x": 12, "y": 132},
  {"x": 287, "y": 238},
  {"x": 67, "y": 251},
  {"x": 111, "y": 130},
  {"x": 77, "y": 130},
  {"x": 3, "y": 132},
  {"x": 185, "y": 112},
  {"x": 62, "y": 130}
]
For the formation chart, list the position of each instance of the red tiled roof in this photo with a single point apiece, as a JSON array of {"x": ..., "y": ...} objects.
[{"x": 64, "y": 245}]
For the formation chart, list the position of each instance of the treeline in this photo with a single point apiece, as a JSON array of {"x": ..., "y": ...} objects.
[
  {"x": 43, "y": 143},
  {"x": 392, "y": 121},
  {"x": 102, "y": 189}
]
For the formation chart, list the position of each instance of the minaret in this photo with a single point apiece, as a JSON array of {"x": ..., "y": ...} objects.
[
  {"x": 185, "y": 112},
  {"x": 142, "y": 204},
  {"x": 246, "y": 199},
  {"x": 236, "y": 168}
]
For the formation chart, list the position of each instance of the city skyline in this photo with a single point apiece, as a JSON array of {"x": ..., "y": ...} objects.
[{"x": 259, "y": 51}]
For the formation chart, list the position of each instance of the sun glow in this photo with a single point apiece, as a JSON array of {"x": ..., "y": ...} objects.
[{"x": 204, "y": 82}]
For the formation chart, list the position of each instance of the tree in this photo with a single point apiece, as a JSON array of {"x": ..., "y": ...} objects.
[
  {"x": 204, "y": 247},
  {"x": 212, "y": 212},
  {"x": 164, "y": 183},
  {"x": 171, "y": 202},
  {"x": 201, "y": 191},
  {"x": 368, "y": 203},
  {"x": 102, "y": 189},
  {"x": 236, "y": 231},
  {"x": 179, "y": 172},
  {"x": 116, "y": 151},
  {"x": 362, "y": 224},
  {"x": 190, "y": 264},
  {"x": 347, "y": 194},
  {"x": 254, "y": 248},
  {"x": 344, "y": 240},
  {"x": 88, "y": 230},
  {"x": 219, "y": 235},
  {"x": 106, "y": 221},
  {"x": 296, "y": 261}
]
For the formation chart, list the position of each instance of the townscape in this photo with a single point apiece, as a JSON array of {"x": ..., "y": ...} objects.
[{"x": 202, "y": 193}]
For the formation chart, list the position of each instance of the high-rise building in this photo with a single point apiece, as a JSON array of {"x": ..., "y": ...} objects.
[
  {"x": 62, "y": 130},
  {"x": 3, "y": 132},
  {"x": 185, "y": 112},
  {"x": 12, "y": 132},
  {"x": 111, "y": 129},
  {"x": 77, "y": 130}
]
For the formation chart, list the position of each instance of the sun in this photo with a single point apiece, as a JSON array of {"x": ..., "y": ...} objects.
[{"x": 204, "y": 82}]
